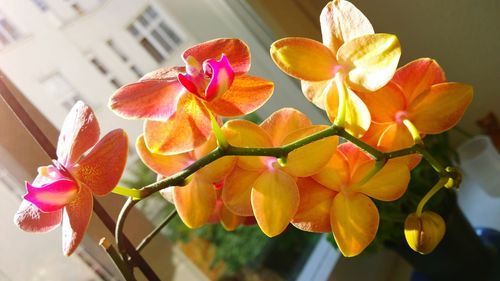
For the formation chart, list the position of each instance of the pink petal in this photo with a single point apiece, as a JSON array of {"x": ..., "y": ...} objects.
[
  {"x": 79, "y": 132},
  {"x": 29, "y": 218},
  {"x": 149, "y": 99},
  {"x": 76, "y": 218},
  {"x": 52, "y": 196},
  {"x": 222, "y": 76},
  {"x": 102, "y": 168},
  {"x": 236, "y": 51}
]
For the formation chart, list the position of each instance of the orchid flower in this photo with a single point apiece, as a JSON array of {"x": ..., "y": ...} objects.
[
  {"x": 263, "y": 187},
  {"x": 351, "y": 58},
  {"x": 337, "y": 199},
  {"x": 62, "y": 193},
  {"x": 176, "y": 101},
  {"x": 418, "y": 93},
  {"x": 198, "y": 202}
]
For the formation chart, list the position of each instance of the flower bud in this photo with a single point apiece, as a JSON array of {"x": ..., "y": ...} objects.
[{"x": 424, "y": 233}]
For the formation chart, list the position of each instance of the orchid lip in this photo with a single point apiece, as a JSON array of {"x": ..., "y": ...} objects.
[{"x": 400, "y": 116}]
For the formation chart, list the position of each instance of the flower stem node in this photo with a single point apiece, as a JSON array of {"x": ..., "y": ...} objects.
[
  {"x": 455, "y": 178},
  {"x": 424, "y": 233}
]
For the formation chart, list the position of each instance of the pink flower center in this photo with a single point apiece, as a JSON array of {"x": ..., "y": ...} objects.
[{"x": 400, "y": 116}]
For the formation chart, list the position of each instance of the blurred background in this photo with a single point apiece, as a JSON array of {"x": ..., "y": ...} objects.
[{"x": 55, "y": 52}]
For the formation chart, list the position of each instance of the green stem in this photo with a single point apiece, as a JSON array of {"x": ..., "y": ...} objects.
[
  {"x": 375, "y": 153},
  {"x": 415, "y": 134},
  {"x": 157, "y": 230},
  {"x": 379, "y": 164},
  {"x": 127, "y": 192},
  {"x": 221, "y": 140},
  {"x": 120, "y": 223},
  {"x": 440, "y": 184}
]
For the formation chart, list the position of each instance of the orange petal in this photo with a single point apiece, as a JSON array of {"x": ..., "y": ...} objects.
[
  {"x": 79, "y": 132},
  {"x": 246, "y": 94},
  {"x": 315, "y": 204},
  {"x": 237, "y": 189},
  {"x": 371, "y": 60},
  {"x": 341, "y": 21},
  {"x": 165, "y": 165},
  {"x": 229, "y": 220},
  {"x": 300, "y": 162},
  {"x": 101, "y": 169},
  {"x": 440, "y": 108},
  {"x": 388, "y": 184},
  {"x": 335, "y": 174},
  {"x": 283, "y": 122},
  {"x": 372, "y": 136},
  {"x": 195, "y": 202},
  {"x": 418, "y": 76},
  {"x": 188, "y": 128},
  {"x": 244, "y": 133},
  {"x": 148, "y": 99},
  {"x": 354, "y": 220},
  {"x": 357, "y": 116},
  {"x": 304, "y": 59},
  {"x": 275, "y": 199},
  {"x": 76, "y": 218},
  {"x": 315, "y": 92},
  {"x": 234, "y": 49},
  {"x": 395, "y": 136},
  {"x": 385, "y": 103},
  {"x": 220, "y": 168},
  {"x": 354, "y": 156}
]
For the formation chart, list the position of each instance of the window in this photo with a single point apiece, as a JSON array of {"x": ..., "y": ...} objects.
[
  {"x": 61, "y": 90},
  {"x": 8, "y": 33},
  {"x": 155, "y": 35},
  {"x": 124, "y": 58},
  {"x": 64, "y": 11},
  {"x": 105, "y": 72}
]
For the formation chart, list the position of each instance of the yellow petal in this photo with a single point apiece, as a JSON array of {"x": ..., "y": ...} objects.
[
  {"x": 237, "y": 189},
  {"x": 388, "y": 184},
  {"x": 371, "y": 60},
  {"x": 311, "y": 158},
  {"x": 244, "y": 133},
  {"x": 229, "y": 220},
  {"x": 283, "y": 122},
  {"x": 335, "y": 174},
  {"x": 440, "y": 108},
  {"x": 315, "y": 204},
  {"x": 357, "y": 115},
  {"x": 275, "y": 199},
  {"x": 315, "y": 92},
  {"x": 340, "y": 22},
  {"x": 220, "y": 168},
  {"x": 304, "y": 59},
  {"x": 354, "y": 220},
  {"x": 424, "y": 234},
  {"x": 195, "y": 202}
]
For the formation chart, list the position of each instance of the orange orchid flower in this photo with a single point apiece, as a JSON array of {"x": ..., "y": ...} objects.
[
  {"x": 176, "y": 101},
  {"x": 337, "y": 198},
  {"x": 417, "y": 93},
  {"x": 61, "y": 194},
  {"x": 260, "y": 186},
  {"x": 351, "y": 57},
  {"x": 198, "y": 202}
]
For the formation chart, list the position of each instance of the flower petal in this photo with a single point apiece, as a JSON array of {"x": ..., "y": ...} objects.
[
  {"x": 246, "y": 94},
  {"x": 284, "y": 121},
  {"x": 354, "y": 221},
  {"x": 237, "y": 189},
  {"x": 371, "y": 60},
  {"x": 354, "y": 156},
  {"x": 195, "y": 202},
  {"x": 148, "y": 99},
  {"x": 229, "y": 220},
  {"x": 275, "y": 199},
  {"x": 31, "y": 219},
  {"x": 234, "y": 49},
  {"x": 165, "y": 165},
  {"x": 52, "y": 196},
  {"x": 334, "y": 174},
  {"x": 244, "y": 133},
  {"x": 315, "y": 92},
  {"x": 440, "y": 108},
  {"x": 340, "y": 22},
  {"x": 216, "y": 171},
  {"x": 388, "y": 184},
  {"x": 418, "y": 76},
  {"x": 304, "y": 59},
  {"x": 222, "y": 76},
  {"x": 315, "y": 204},
  {"x": 357, "y": 115},
  {"x": 300, "y": 162},
  {"x": 101, "y": 169},
  {"x": 385, "y": 103},
  {"x": 79, "y": 132},
  {"x": 188, "y": 128},
  {"x": 76, "y": 218},
  {"x": 396, "y": 136}
]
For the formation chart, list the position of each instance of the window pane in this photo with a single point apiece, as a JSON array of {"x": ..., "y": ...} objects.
[
  {"x": 99, "y": 66},
  {"x": 170, "y": 33},
  {"x": 162, "y": 41},
  {"x": 151, "y": 50}
]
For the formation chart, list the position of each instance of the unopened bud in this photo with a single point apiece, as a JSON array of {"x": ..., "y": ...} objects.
[{"x": 424, "y": 233}]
